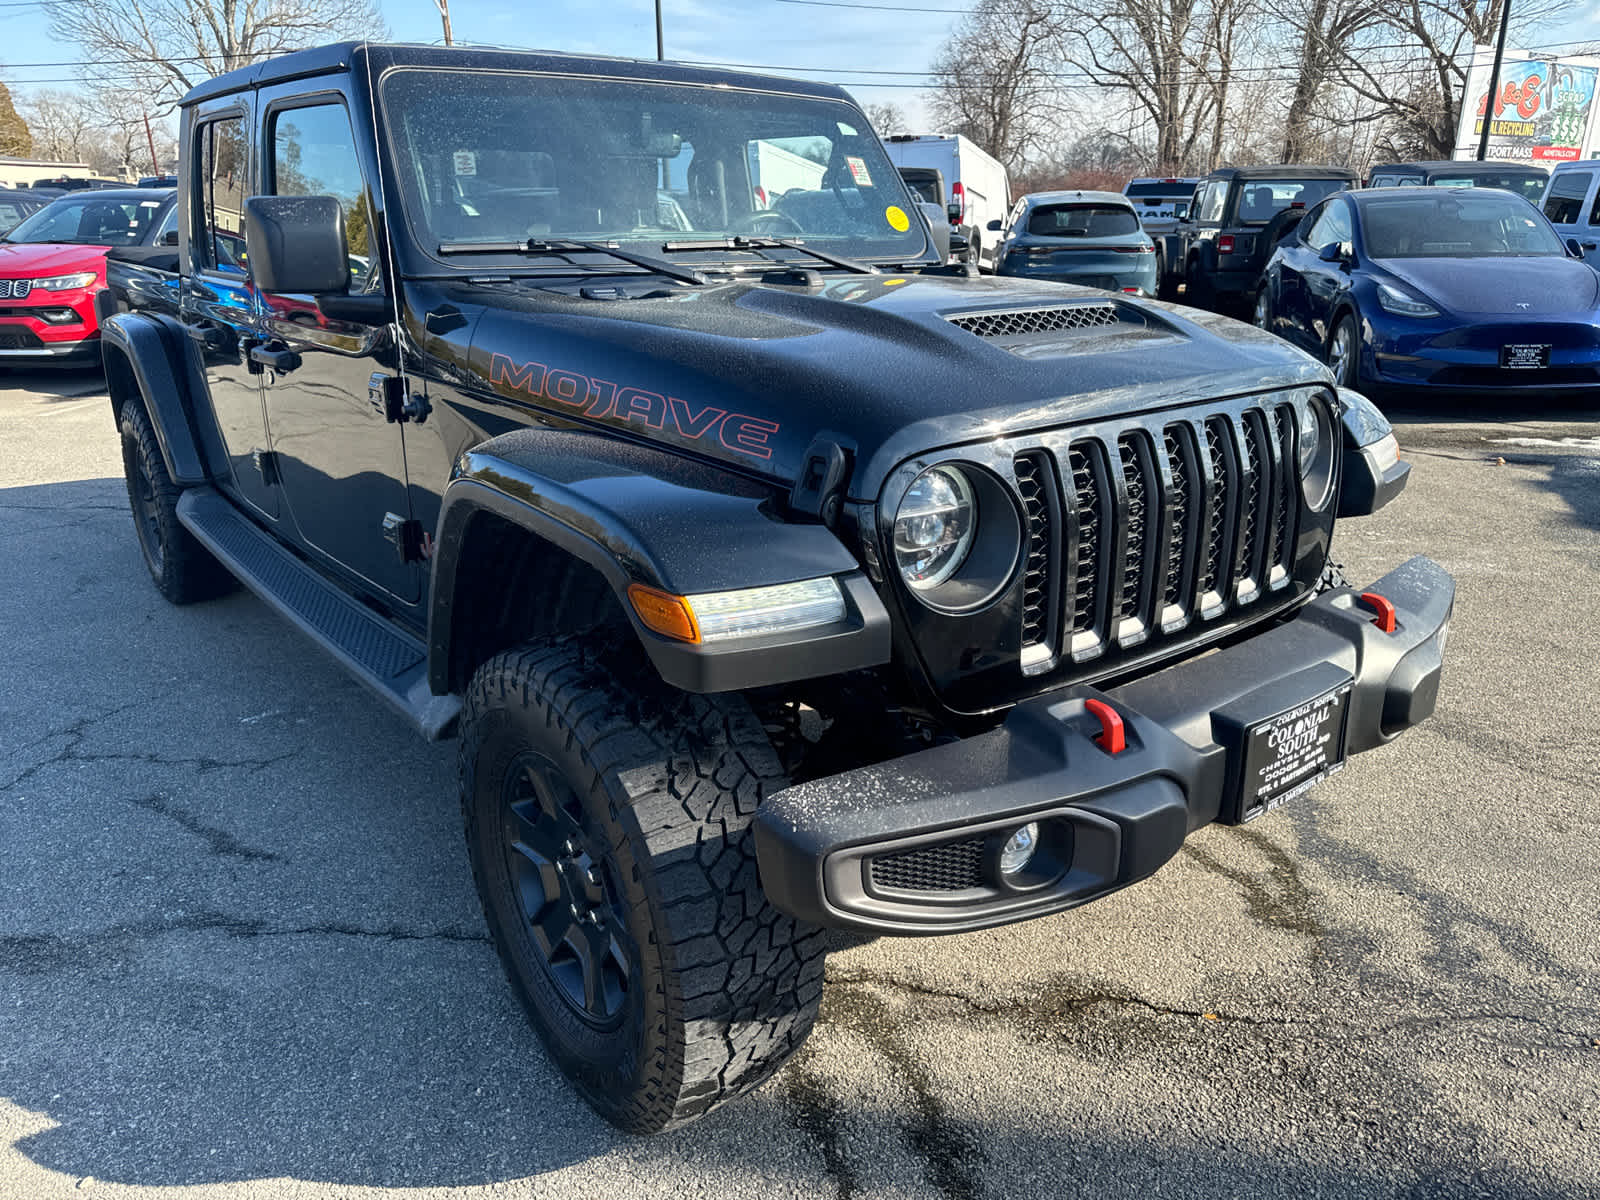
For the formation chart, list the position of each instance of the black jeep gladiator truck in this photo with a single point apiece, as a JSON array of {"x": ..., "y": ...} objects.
[
  {"x": 774, "y": 578},
  {"x": 1239, "y": 214}
]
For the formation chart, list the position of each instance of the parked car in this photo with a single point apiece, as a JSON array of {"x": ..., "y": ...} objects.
[
  {"x": 1237, "y": 217},
  {"x": 1572, "y": 204},
  {"x": 1452, "y": 292},
  {"x": 53, "y": 263},
  {"x": 1523, "y": 179},
  {"x": 770, "y": 577},
  {"x": 159, "y": 181},
  {"x": 17, "y": 203},
  {"x": 1161, "y": 203},
  {"x": 978, "y": 189},
  {"x": 1092, "y": 239},
  {"x": 77, "y": 183}
]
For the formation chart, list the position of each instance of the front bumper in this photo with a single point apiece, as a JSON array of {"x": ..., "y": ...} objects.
[{"x": 1108, "y": 820}]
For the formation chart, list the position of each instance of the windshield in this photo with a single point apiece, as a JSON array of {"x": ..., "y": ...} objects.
[
  {"x": 1262, "y": 199},
  {"x": 89, "y": 220},
  {"x": 1527, "y": 184},
  {"x": 1457, "y": 225},
  {"x": 498, "y": 157},
  {"x": 1082, "y": 221},
  {"x": 1176, "y": 190}
]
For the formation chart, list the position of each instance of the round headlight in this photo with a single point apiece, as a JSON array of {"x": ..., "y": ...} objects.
[
  {"x": 933, "y": 527},
  {"x": 1316, "y": 449}
]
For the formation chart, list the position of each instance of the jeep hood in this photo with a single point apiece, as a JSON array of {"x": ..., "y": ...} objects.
[
  {"x": 749, "y": 373},
  {"x": 28, "y": 260}
]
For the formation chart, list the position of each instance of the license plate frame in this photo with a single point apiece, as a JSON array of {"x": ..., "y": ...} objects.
[
  {"x": 1286, "y": 755},
  {"x": 1531, "y": 356}
]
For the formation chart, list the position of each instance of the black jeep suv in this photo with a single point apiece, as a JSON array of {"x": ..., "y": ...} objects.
[
  {"x": 616, "y": 417},
  {"x": 1238, "y": 215}
]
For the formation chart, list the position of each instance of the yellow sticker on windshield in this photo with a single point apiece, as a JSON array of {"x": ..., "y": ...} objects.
[{"x": 898, "y": 221}]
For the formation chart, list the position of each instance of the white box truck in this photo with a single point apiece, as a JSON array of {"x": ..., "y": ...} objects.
[{"x": 978, "y": 191}]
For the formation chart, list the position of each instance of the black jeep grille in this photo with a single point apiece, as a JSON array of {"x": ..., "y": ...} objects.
[
  {"x": 1025, "y": 321},
  {"x": 1156, "y": 528},
  {"x": 952, "y": 867}
]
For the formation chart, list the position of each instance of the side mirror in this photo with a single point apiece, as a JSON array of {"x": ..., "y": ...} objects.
[
  {"x": 169, "y": 238},
  {"x": 1335, "y": 252},
  {"x": 994, "y": 226},
  {"x": 954, "y": 213},
  {"x": 297, "y": 244},
  {"x": 1573, "y": 248},
  {"x": 959, "y": 245},
  {"x": 1180, "y": 211}
]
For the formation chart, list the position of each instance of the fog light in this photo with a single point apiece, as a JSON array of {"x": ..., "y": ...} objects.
[{"x": 1018, "y": 851}]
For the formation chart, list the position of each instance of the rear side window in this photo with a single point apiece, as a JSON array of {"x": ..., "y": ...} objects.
[
  {"x": 1082, "y": 220},
  {"x": 1563, "y": 204},
  {"x": 223, "y": 183},
  {"x": 1212, "y": 200},
  {"x": 314, "y": 154}
]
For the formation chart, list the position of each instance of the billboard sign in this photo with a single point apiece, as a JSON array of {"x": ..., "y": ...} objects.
[{"x": 1543, "y": 109}]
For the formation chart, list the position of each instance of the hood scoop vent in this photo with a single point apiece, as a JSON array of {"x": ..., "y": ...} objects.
[{"x": 1030, "y": 322}]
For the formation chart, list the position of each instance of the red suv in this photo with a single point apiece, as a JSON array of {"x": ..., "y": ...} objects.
[{"x": 52, "y": 264}]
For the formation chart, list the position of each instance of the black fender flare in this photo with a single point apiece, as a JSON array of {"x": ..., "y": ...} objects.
[
  {"x": 156, "y": 360},
  {"x": 644, "y": 516}
]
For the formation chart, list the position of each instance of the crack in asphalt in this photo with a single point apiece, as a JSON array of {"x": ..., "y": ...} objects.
[
  {"x": 1014, "y": 1010},
  {"x": 79, "y": 730},
  {"x": 44, "y": 954},
  {"x": 220, "y": 841}
]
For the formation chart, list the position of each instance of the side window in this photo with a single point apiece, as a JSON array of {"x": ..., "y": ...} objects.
[
  {"x": 1594, "y": 211},
  {"x": 222, "y": 184},
  {"x": 1563, "y": 203},
  {"x": 1382, "y": 181},
  {"x": 1212, "y": 200},
  {"x": 1332, "y": 227},
  {"x": 314, "y": 154},
  {"x": 1309, "y": 228},
  {"x": 169, "y": 227}
]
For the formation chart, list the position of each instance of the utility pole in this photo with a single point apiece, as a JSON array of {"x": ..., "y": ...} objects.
[
  {"x": 661, "y": 45},
  {"x": 155, "y": 166},
  {"x": 1494, "y": 79},
  {"x": 444, "y": 15}
]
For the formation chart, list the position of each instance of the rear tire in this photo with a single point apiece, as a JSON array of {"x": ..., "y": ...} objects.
[
  {"x": 1198, "y": 290},
  {"x": 182, "y": 569},
  {"x": 575, "y": 751}
]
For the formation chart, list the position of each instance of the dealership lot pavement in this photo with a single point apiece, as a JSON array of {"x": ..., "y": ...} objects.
[{"x": 240, "y": 954}]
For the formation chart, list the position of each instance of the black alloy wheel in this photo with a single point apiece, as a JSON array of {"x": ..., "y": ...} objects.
[{"x": 565, "y": 882}]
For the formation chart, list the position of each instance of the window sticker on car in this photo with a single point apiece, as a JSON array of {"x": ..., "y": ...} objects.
[
  {"x": 858, "y": 171},
  {"x": 898, "y": 221},
  {"x": 466, "y": 162}
]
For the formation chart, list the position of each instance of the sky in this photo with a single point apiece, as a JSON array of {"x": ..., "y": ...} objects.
[
  {"x": 876, "y": 48},
  {"x": 850, "y": 46}
]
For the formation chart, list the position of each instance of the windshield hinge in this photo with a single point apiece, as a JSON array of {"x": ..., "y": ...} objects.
[{"x": 819, "y": 491}]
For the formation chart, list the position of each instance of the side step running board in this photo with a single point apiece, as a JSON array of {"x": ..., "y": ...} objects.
[{"x": 388, "y": 661}]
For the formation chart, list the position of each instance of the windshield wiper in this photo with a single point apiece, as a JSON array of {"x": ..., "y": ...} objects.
[
  {"x": 740, "y": 242},
  {"x": 566, "y": 247}
]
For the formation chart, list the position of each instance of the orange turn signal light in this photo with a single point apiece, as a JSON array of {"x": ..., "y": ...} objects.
[{"x": 664, "y": 613}]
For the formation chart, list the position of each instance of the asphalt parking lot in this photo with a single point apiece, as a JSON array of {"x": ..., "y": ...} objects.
[{"x": 240, "y": 953}]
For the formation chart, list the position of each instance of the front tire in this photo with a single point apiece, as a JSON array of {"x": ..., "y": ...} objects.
[
  {"x": 1263, "y": 310},
  {"x": 608, "y": 822},
  {"x": 182, "y": 569},
  {"x": 1344, "y": 352}
]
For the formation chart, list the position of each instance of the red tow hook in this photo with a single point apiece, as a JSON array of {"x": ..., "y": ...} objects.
[
  {"x": 1113, "y": 738},
  {"x": 1384, "y": 620}
]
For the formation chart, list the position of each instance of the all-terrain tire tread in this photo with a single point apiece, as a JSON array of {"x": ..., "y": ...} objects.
[{"x": 743, "y": 981}]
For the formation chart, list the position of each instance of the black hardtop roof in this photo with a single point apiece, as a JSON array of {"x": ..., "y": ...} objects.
[
  {"x": 1464, "y": 166},
  {"x": 1283, "y": 171},
  {"x": 340, "y": 57}
]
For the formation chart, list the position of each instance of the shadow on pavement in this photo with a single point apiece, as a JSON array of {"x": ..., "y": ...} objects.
[{"x": 56, "y": 383}]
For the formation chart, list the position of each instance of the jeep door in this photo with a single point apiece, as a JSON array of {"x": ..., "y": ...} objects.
[
  {"x": 341, "y": 460},
  {"x": 216, "y": 302}
]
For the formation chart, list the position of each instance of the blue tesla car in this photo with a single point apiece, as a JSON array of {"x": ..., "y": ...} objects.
[{"x": 1431, "y": 289}]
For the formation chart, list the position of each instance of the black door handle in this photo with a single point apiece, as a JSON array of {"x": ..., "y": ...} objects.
[
  {"x": 206, "y": 336},
  {"x": 281, "y": 359},
  {"x": 1591, "y": 245}
]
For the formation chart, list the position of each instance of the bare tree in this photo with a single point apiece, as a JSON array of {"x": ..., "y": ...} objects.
[
  {"x": 166, "y": 47},
  {"x": 1172, "y": 59},
  {"x": 886, "y": 118},
  {"x": 1325, "y": 30},
  {"x": 998, "y": 79},
  {"x": 1410, "y": 66},
  {"x": 63, "y": 125}
]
